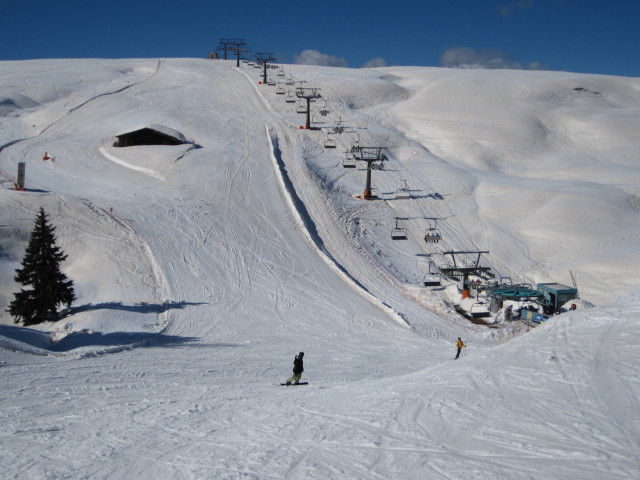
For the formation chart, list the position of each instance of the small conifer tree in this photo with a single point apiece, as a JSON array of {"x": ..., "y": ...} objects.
[{"x": 49, "y": 287}]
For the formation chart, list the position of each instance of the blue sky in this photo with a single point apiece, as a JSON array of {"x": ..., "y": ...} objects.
[{"x": 574, "y": 35}]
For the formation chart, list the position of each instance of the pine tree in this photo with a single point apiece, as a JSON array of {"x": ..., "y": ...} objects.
[{"x": 40, "y": 270}]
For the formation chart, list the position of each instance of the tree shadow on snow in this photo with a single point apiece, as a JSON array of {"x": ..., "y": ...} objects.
[
  {"x": 125, "y": 339},
  {"x": 140, "y": 307},
  {"x": 100, "y": 342},
  {"x": 29, "y": 336}
]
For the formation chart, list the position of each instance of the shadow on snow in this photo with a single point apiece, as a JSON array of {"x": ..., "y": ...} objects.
[
  {"x": 21, "y": 338},
  {"x": 140, "y": 307},
  {"x": 99, "y": 342}
]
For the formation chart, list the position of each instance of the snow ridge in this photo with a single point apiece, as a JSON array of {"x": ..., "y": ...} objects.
[{"x": 308, "y": 228}]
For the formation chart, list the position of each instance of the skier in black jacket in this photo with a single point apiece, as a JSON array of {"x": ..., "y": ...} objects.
[{"x": 298, "y": 368}]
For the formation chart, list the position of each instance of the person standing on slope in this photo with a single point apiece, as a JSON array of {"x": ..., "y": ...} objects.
[
  {"x": 459, "y": 346},
  {"x": 298, "y": 368}
]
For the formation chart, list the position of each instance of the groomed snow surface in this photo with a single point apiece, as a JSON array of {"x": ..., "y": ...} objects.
[{"x": 202, "y": 269}]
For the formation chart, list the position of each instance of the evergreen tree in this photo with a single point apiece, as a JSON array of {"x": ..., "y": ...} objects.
[{"x": 41, "y": 271}]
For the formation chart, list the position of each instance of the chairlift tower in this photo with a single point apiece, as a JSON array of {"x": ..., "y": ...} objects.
[
  {"x": 226, "y": 45},
  {"x": 369, "y": 155},
  {"x": 308, "y": 93},
  {"x": 472, "y": 268},
  {"x": 264, "y": 58},
  {"x": 238, "y": 46},
  {"x": 20, "y": 180}
]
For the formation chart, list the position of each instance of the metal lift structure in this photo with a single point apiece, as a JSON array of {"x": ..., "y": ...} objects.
[
  {"x": 226, "y": 45},
  {"x": 309, "y": 94},
  {"x": 371, "y": 155},
  {"x": 239, "y": 47},
  {"x": 461, "y": 271},
  {"x": 263, "y": 58}
]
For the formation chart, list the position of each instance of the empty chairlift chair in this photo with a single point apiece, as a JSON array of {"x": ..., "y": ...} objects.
[
  {"x": 404, "y": 192},
  {"x": 398, "y": 233},
  {"x": 433, "y": 278},
  {"x": 349, "y": 162},
  {"x": 330, "y": 142},
  {"x": 480, "y": 310}
]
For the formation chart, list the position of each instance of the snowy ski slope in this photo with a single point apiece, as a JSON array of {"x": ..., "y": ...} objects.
[{"x": 202, "y": 269}]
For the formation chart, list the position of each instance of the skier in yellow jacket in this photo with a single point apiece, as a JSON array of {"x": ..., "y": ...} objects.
[{"x": 459, "y": 346}]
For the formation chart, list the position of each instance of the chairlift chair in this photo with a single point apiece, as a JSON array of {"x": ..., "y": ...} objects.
[
  {"x": 480, "y": 310},
  {"x": 432, "y": 280},
  {"x": 301, "y": 107},
  {"x": 281, "y": 72},
  {"x": 280, "y": 90},
  {"x": 431, "y": 235},
  {"x": 349, "y": 162},
  {"x": 434, "y": 277},
  {"x": 323, "y": 109},
  {"x": 290, "y": 97},
  {"x": 403, "y": 192},
  {"x": 398, "y": 233},
  {"x": 329, "y": 142}
]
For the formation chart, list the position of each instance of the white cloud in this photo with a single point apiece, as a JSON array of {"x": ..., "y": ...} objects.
[
  {"x": 508, "y": 9},
  {"x": 466, "y": 57},
  {"x": 375, "y": 62},
  {"x": 314, "y": 57},
  {"x": 536, "y": 66}
]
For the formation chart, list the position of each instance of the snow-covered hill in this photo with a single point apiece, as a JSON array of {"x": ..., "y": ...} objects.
[{"x": 202, "y": 269}]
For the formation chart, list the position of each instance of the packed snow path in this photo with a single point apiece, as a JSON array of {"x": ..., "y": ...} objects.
[{"x": 185, "y": 408}]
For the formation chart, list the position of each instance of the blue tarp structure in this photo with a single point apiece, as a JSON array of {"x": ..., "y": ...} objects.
[{"x": 516, "y": 293}]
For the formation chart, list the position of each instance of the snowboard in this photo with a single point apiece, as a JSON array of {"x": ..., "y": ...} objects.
[{"x": 294, "y": 384}]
